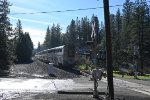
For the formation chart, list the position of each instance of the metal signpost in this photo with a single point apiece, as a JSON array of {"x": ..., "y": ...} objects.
[
  {"x": 95, "y": 73},
  {"x": 95, "y": 56}
]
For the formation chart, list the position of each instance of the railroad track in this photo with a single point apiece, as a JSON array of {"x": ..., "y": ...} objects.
[{"x": 61, "y": 72}]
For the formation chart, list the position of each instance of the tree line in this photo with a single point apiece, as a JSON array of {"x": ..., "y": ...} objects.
[
  {"x": 77, "y": 33},
  {"x": 15, "y": 45},
  {"x": 130, "y": 29},
  {"x": 23, "y": 45}
]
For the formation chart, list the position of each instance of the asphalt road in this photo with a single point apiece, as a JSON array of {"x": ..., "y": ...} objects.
[{"x": 67, "y": 89}]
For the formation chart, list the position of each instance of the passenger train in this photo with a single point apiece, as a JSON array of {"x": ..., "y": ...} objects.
[{"x": 60, "y": 56}]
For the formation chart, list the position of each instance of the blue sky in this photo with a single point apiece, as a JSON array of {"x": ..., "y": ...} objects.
[{"x": 36, "y": 24}]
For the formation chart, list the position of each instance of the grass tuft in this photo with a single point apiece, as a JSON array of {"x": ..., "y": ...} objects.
[{"x": 145, "y": 77}]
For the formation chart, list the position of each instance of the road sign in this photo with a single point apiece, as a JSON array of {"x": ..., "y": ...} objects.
[{"x": 93, "y": 35}]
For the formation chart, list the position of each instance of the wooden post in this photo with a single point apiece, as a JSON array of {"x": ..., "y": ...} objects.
[{"x": 108, "y": 51}]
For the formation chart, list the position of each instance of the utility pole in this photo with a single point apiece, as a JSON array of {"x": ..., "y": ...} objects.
[{"x": 108, "y": 51}]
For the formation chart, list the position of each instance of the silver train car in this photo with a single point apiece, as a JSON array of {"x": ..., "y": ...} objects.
[{"x": 60, "y": 56}]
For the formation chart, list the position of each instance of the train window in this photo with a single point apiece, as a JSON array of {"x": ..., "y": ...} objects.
[
  {"x": 56, "y": 50},
  {"x": 52, "y": 51},
  {"x": 60, "y": 50},
  {"x": 49, "y": 51}
]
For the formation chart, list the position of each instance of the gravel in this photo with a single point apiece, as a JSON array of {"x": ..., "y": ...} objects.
[{"x": 39, "y": 69}]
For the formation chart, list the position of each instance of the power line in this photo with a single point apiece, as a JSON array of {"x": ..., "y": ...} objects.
[
  {"x": 59, "y": 11},
  {"x": 72, "y": 10}
]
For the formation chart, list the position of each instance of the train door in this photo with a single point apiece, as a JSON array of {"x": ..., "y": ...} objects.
[{"x": 70, "y": 54}]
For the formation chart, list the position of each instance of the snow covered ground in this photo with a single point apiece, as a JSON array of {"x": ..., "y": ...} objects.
[
  {"x": 35, "y": 84},
  {"x": 12, "y": 88}
]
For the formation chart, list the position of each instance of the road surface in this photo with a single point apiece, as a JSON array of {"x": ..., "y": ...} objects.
[
  {"x": 31, "y": 82},
  {"x": 68, "y": 89}
]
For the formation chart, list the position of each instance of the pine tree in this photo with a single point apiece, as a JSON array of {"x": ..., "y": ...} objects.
[
  {"x": 20, "y": 48},
  {"x": 72, "y": 33},
  {"x": 4, "y": 34},
  {"x": 18, "y": 40},
  {"x": 127, "y": 20},
  {"x": 78, "y": 32},
  {"x": 113, "y": 29},
  {"x": 64, "y": 38},
  {"x": 47, "y": 41},
  {"x": 114, "y": 36},
  {"x": 117, "y": 38},
  {"x": 58, "y": 35},
  {"x": 102, "y": 34},
  {"x": 39, "y": 47},
  {"x": 82, "y": 37},
  {"x": 141, "y": 12},
  {"x": 53, "y": 37},
  {"x": 146, "y": 37},
  {"x": 24, "y": 44},
  {"x": 28, "y": 47},
  {"x": 118, "y": 28},
  {"x": 29, "y": 40},
  {"x": 85, "y": 31}
]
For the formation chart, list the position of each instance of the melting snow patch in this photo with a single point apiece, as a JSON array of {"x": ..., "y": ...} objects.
[
  {"x": 36, "y": 75},
  {"x": 35, "y": 84}
]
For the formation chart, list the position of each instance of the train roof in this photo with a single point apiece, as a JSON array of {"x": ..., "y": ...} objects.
[
  {"x": 59, "y": 47},
  {"x": 51, "y": 49}
]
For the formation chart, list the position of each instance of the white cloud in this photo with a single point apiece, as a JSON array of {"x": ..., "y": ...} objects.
[
  {"x": 21, "y": 9},
  {"x": 36, "y": 35},
  {"x": 31, "y": 20},
  {"x": 35, "y": 21}
]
